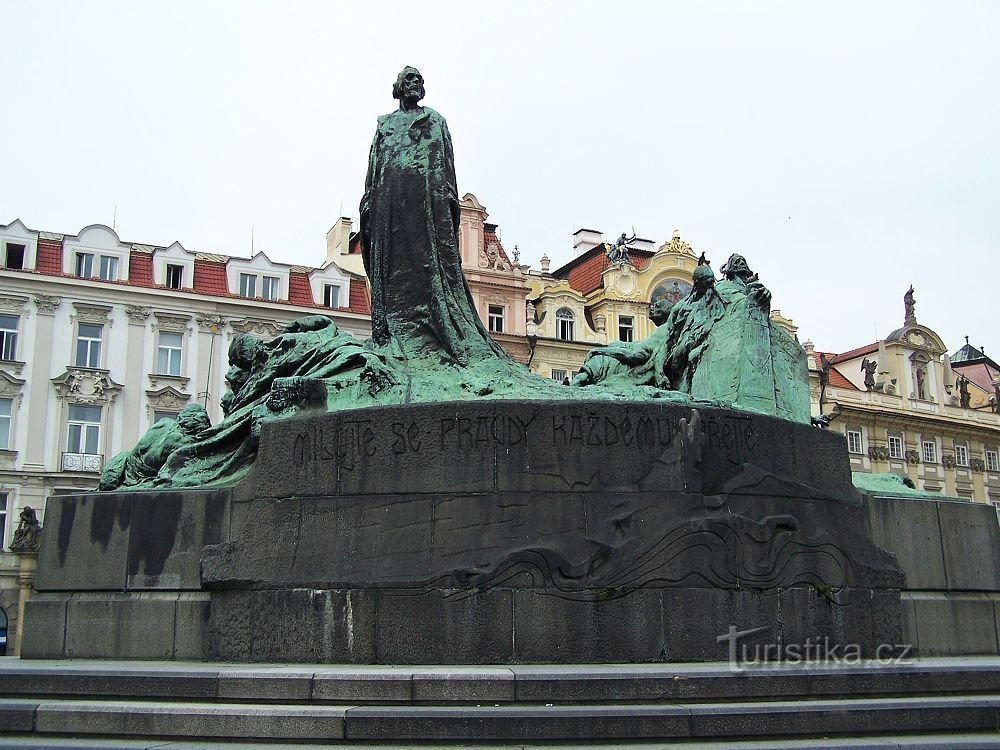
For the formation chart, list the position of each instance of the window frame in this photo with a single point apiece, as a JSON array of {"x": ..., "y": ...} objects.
[
  {"x": 558, "y": 375},
  {"x": 851, "y": 433},
  {"x": 107, "y": 268},
  {"x": 7, "y": 245},
  {"x": 495, "y": 320},
  {"x": 4, "y": 515},
  {"x": 994, "y": 465},
  {"x": 161, "y": 414},
  {"x": 270, "y": 287},
  {"x": 8, "y": 338},
  {"x": 926, "y": 443},
  {"x": 171, "y": 268},
  {"x": 565, "y": 319},
  {"x": 961, "y": 455},
  {"x": 629, "y": 327},
  {"x": 327, "y": 288},
  {"x": 84, "y": 431},
  {"x": 6, "y": 424},
  {"x": 84, "y": 261},
  {"x": 90, "y": 346},
  {"x": 893, "y": 440},
  {"x": 168, "y": 350},
  {"x": 248, "y": 280}
]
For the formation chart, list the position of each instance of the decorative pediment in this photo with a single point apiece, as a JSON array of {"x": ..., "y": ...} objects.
[
  {"x": 86, "y": 386},
  {"x": 676, "y": 246},
  {"x": 13, "y": 303},
  {"x": 88, "y": 313},
  {"x": 265, "y": 329},
  {"x": 10, "y": 386},
  {"x": 161, "y": 381},
  {"x": 167, "y": 398},
  {"x": 170, "y": 322}
]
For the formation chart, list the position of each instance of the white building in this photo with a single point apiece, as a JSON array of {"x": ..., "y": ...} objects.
[{"x": 100, "y": 338}]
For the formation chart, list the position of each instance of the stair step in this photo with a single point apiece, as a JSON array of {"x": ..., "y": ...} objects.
[
  {"x": 571, "y": 684},
  {"x": 508, "y": 723}
]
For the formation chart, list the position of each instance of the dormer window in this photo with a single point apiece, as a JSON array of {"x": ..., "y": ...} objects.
[
  {"x": 175, "y": 276},
  {"x": 14, "y": 256},
  {"x": 109, "y": 268},
  {"x": 248, "y": 285},
  {"x": 269, "y": 288},
  {"x": 331, "y": 295},
  {"x": 85, "y": 265},
  {"x": 564, "y": 324}
]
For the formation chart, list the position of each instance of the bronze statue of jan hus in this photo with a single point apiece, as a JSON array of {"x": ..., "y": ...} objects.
[{"x": 421, "y": 303}]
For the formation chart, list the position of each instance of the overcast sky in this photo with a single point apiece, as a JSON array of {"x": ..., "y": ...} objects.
[{"x": 847, "y": 150}]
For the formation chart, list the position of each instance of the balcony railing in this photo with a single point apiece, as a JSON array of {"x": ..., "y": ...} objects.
[{"x": 86, "y": 462}]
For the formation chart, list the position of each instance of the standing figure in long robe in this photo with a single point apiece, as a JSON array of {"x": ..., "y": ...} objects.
[{"x": 421, "y": 303}]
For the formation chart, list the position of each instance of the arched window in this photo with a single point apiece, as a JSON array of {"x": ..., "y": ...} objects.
[{"x": 564, "y": 324}]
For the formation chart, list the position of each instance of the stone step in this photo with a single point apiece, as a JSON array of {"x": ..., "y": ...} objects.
[
  {"x": 389, "y": 724},
  {"x": 938, "y": 741},
  {"x": 572, "y": 684}
]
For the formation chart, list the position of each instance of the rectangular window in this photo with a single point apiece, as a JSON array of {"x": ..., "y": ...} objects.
[
  {"x": 159, "y": 416},
  {"x": 992, "y": 460},
  {"x": 85, "y": 265},
  {"x": 626, "y": 327},
  {"x": 895, "y": 446},
  {"x": 109, "y": 268},
  {"x": 248, "y": 285},
  {"x": 175, "y": 276},
  {"x": 8, "y": 337},
  {"x": 3, "y": 518},
  {"x": 84, "y": 433},
  {"x": 14, "y": 257},
  {"x": 961, "y": 454},
  {"x": 564, "y": 329},
  {"x": 928, "y": 451},
  {"x": 331, "y": 295},
  {"x": 496, "y": 314},
  {"x": 6, "y": 417},
  {"x": 88, "y": 345},
  {"x": 269, "y": 288},
  {"x": 558, "y": 375},
  {"x": 854, "y": 441},
  {"x": 168, "y": 353}
]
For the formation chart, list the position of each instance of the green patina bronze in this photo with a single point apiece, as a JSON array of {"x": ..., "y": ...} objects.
[{"x": 428, "y": 344}]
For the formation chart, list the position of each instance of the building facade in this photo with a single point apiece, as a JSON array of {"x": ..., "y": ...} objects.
[
  {"x": 101, "y": 338},
  {"x": 906, "y": 407}
]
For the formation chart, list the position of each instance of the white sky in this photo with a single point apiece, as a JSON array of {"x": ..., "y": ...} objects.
[{"x": 847, "y": 149}]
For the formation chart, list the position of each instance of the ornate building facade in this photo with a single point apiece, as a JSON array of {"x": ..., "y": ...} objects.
[
  {"x": 907, "y": 407},
  {"x": 100, "y": 338}
]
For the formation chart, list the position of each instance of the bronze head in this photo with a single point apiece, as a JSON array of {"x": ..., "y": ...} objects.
[{"x": 409, "y": 85}]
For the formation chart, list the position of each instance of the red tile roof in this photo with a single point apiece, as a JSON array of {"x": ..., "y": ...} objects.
[
  {"x": 586, "y": 272},
  {"x": 50, "y": 258},
  {"x": 490, "y": 235},
  {"x": 210, "y": 278},
  {"x": 854, "y": 353},
  {"x": 837, "y": 380},
  {"x": 140, "y": 269},
  {"x": 299, "y": 290},
  {"x": 359, "y": 297}
]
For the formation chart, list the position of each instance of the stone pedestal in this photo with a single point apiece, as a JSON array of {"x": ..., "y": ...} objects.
[{"x": 514, "y": 532}]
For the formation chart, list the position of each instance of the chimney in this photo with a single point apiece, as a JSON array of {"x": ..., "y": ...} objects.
[
  {"x": 586, "y": 239},
  {"x": 338, "y": 239}
]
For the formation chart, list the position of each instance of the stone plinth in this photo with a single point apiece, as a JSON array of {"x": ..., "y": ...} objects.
[{"x": 511, "y": 532}]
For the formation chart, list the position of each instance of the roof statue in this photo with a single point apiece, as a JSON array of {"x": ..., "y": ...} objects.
[
  {"x": 428, "y": 344},
  {"x": 618, "y": 252},
  {"x": 909, "y": 308}
]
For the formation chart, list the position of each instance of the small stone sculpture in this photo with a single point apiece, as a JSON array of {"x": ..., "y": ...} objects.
[
  {"x": 909, "y": 308},
  {"x": 964, "y": 396},
  {"x": 868, "y": 367},
  {"x": 26, "y": 535}
]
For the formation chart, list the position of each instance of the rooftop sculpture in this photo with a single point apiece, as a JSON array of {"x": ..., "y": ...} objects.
[{"x": 428, "y": 344}]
